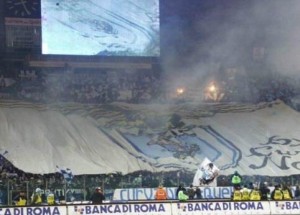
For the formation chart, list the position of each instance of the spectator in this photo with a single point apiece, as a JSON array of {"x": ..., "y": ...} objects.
[
  {"x": 98, "y": 196},
  {"x": 236, "y": 180},
  {"x": 277, "y": 194},
  {"x": 3, "y": 196},
  {"x": 265, "y": 191},
  {"x": 191, "y": 192},
  {"x": 297, "y": 193},
  {"x": 198, "y": 193},
  {"x": 36, "y": 198},
  {"x": 250, "y": 186},
  {"x": 287, "y": 193},
  {"x": 50, "y": 197},
  {"x": 180, "y": 188},
  {"x": 255, "y": 194},
  {"x": 182, "y": 196},
  {"x": 208, "y": 174},
  {"x": 245, "y": 193},
  {"x": 237, "y": 194},
  {"x": 161, "y": 193},
  {"x": 20, "y": 199}
]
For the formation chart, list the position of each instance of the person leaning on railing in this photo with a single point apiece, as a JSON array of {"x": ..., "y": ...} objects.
[
  {"x": 50, "y": 197},
  {"x": 182, "y": 196},
  {"x": 161, "y": 193},
  {"x": 98, "y": 196},
  {"x": 36, "y": 198},
  {"x": 255, "y": 194},
  {"x": 245, "y": 193},
  {"x": 191, "y": 192},
  {"x": 287, "y": 193},
  {"x": 237, "y": 194},
  {"x": 297, "y": 192},
  {"x": 20, "y": 199},
  {"x": 265, "y": 191}
]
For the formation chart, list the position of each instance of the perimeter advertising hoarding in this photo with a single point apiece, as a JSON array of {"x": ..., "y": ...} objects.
[
  {"x": 42, "y": 210},
  {"x": 164, "y": 208},
  {"x": 180, "y": 208},
  {"x": 285, "y": 207},
  {"x": 122, "y": 209}
]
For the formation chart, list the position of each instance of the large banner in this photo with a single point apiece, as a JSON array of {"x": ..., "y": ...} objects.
[{"x": 148, "y": 193}]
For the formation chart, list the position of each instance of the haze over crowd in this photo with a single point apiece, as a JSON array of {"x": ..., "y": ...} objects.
[{"x": 199, "y": 37}]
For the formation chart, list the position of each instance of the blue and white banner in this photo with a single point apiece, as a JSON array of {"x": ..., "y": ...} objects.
[
  {"x": 148, "y": 193},
  {"x": 66, "y": 172},
  {"x": 135, "y": 194}
]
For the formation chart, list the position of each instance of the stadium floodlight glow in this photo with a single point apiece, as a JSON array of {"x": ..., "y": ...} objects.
[
  {"x": 180, "y": 91},
  {"x": 212, "y": 88}
]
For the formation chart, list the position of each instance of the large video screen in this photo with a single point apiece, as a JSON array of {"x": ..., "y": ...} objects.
[{"x": 100, "y": 27}]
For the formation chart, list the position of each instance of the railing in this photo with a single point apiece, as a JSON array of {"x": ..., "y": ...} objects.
[{"x": 80, "y": 189}]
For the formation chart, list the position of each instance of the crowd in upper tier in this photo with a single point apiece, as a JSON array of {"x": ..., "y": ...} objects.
[{"x": 231, "y": 83}]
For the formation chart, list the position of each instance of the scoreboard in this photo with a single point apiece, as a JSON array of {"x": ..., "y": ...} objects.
[
  {"x": 22, "y": 33},
  {"x": 22, "y": 24}
]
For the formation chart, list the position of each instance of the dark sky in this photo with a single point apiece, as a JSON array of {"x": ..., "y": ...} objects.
[{"x": 194, "y": 31}]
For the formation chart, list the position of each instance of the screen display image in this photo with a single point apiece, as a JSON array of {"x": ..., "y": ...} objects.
[{"x": 100, "y": 27}]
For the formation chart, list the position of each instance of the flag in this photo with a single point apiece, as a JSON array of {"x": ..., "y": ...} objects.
[
  {"x": 67, "y": 173},
  {"x": 2, "y": 153},
  {"x": 204, "y": 172}
]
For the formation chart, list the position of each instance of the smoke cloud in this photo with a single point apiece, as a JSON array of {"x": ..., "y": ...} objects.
[{"x": 203, "y": 36}]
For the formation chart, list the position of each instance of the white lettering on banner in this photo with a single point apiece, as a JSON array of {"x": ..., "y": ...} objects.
[
  {"x": 136, "y": 194},
  {"x": 33, "y": 211},
  {"x": 120, "y": 208},
  {"x": 216, "y": 192},
  {"x": 148, "y": 193}
]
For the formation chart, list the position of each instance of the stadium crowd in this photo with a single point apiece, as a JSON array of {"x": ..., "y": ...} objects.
[
  {"x": 82, "y": 86},
  {"x": 232, "y": 84},
  {"x": 14, "y": 182}
]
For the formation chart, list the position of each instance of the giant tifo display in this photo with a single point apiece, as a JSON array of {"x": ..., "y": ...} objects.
[{"x": 223, "y": 138}]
